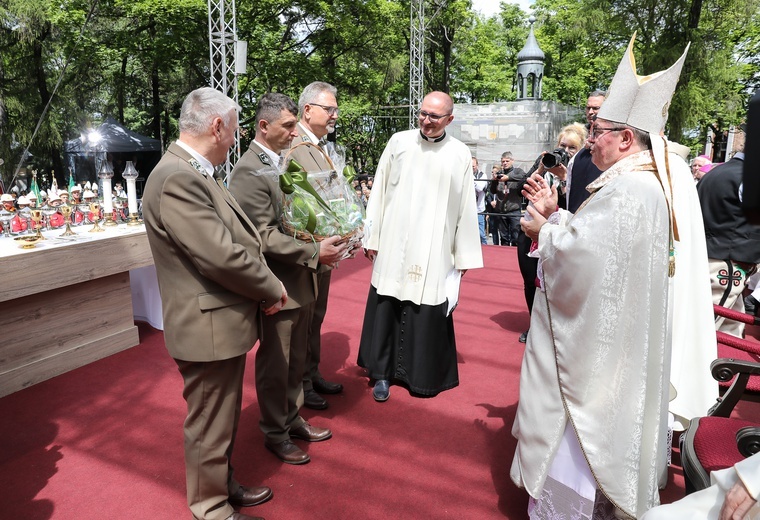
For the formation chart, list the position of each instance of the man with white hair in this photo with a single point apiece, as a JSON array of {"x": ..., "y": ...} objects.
[
  {"x": 696, "y": 166},
  {"x": 214, "y": 281}
]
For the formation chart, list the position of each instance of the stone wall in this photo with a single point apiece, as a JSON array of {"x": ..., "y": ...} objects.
[{"x": 525, "y": 128}]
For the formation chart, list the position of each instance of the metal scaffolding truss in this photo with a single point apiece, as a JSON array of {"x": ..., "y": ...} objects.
[
  {"x": 416, "y": 58},
  {"x": 222, "y": 38}
]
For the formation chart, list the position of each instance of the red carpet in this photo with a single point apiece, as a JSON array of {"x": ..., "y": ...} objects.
[{"x": 106, "y": 439}]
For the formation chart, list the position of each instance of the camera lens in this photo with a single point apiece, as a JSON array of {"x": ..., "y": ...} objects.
[
  {"x": 555, "y": 158},
  {"x": 550, "y": 160}
]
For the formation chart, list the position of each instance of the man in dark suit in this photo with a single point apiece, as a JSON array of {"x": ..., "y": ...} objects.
[
  {"x": 318, "y": 107},
  {"x": 213, "y": 280},
  {"x": 581, "y": 171},
  {"x": 280, "y": 359},
  {"x": 733, "y": 243}
]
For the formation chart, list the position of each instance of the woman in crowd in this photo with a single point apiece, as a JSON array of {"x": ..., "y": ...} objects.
[{"x": 571, "y": 140}]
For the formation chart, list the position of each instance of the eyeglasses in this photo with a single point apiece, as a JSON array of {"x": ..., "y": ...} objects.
[
  {"x": 599, "y": 131},
  {"x": 434, "y": 118},
  {"x": 331, "y": 111}
]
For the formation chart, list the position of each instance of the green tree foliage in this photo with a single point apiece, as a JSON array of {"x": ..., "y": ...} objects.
[
  {"x": 585, "y": 40},
  {"x": 137, "y": 59},
  {"x": 485, "y": 57}
]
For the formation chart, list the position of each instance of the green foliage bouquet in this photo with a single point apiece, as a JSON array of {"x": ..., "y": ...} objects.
[{"x": 320, "y": 204}]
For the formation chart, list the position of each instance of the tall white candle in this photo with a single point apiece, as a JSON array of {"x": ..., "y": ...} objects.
[
  {"x": 132, "y": 195},
  {"x": 107, "y": 200}
]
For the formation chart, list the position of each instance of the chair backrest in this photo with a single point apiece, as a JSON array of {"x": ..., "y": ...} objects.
[
  {"x": 735, "y": 369},
  {"x": 718, "y": 441}
]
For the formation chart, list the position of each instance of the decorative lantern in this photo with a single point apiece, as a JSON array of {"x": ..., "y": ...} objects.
[
  {"x": 130, "y": 175},
  {"x": 106, "y": 174}
]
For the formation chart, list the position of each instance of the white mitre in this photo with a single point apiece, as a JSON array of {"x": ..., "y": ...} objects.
[{"x": 641, "y": 101}]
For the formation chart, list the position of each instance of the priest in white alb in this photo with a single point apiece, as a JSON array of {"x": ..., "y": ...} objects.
[{"x": 421, "y": 233}]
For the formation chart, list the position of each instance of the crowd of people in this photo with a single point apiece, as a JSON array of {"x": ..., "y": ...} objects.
[{"x": 611, "y": 187}]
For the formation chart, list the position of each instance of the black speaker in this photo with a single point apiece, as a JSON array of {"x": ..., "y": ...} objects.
[{"x": 751, "y": 173}]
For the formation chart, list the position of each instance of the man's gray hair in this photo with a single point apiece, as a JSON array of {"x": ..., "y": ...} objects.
[
  {"x": 641, "y": 137},
  {"x": 312, "y": 92},
  {"x": 598, "y": 93},
  {"x": 201, "y": 106},
  {"x": 271, "y": 105},
  {"x": 506, "y": 155}
]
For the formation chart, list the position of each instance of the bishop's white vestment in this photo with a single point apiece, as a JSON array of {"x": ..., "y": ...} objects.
[
  {"x": 693, "y": 335},
  {"x": 597, "y": 360}
]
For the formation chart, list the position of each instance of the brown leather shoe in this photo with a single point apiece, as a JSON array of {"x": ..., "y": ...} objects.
[
  {"x": 288, "y": 452},
  {"x": 310, "y": 433},
  {"x": 249, "y": 497},
  {"x": 313, "y": 400},
  {"x": 326, "y": 387},
  {"x": 241, "y": 516}
]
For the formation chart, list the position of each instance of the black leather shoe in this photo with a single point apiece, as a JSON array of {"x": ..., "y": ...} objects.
[
  {"x": 750, "y": 305},
  {"x": 381, "y": 391},
  {"x": 310, "y": 433},
  {"x": 241, "y": 516},
  {"x": 326, "y": 387},
  {"x": 288, "y": 452},
  {"x": 249, "y": 497},
  {"x": 524, "y": 336},
  {"x": 313, "y": 400}
]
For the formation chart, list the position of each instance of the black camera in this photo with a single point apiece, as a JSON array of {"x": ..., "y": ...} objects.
[{"x": 555, "y": 158}]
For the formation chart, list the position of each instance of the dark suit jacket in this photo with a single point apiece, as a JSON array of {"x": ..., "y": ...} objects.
[
  {"x": 212, "y": 274},
  {"x": 729, "y": 235},
  {"x": 255, "y": 185},
  {"x": 584, "y": 173}
]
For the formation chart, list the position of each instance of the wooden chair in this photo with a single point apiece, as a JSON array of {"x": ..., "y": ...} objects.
[
  {"x": 718, "y": 441},
  {"x": 736, "y": 380},
  {"x": 713, "y": 443}
]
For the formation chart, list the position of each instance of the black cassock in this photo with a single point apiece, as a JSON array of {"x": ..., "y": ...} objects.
[{"x": 411, "y": 343}]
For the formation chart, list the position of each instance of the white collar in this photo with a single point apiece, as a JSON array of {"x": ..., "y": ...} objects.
[
  {"x": 205, "y": 163},
  {"x": 309, "y": 133},
  {"x": 275, "y": 158}
]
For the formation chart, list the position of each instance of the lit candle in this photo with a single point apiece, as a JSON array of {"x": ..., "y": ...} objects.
[
  {"x": 107, "y": 200},
  {"x": 132, "y": 195}
]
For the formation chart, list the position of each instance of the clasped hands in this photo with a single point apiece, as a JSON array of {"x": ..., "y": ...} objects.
[{"x": 543, "y": 200}]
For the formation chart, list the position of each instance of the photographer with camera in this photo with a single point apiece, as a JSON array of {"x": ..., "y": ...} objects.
[
  {"x": 553, "y": 167},
  {"x": 506, "y": 186}
]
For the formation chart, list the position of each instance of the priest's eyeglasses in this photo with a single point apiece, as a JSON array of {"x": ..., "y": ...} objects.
[
  {"x": 599, "y": 131},
  {"x": 331, "y": 111},
  {"x": 434, "y": 118}
]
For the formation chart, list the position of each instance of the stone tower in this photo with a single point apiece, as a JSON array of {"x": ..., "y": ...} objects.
[{"x": 530, "y": 67}]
